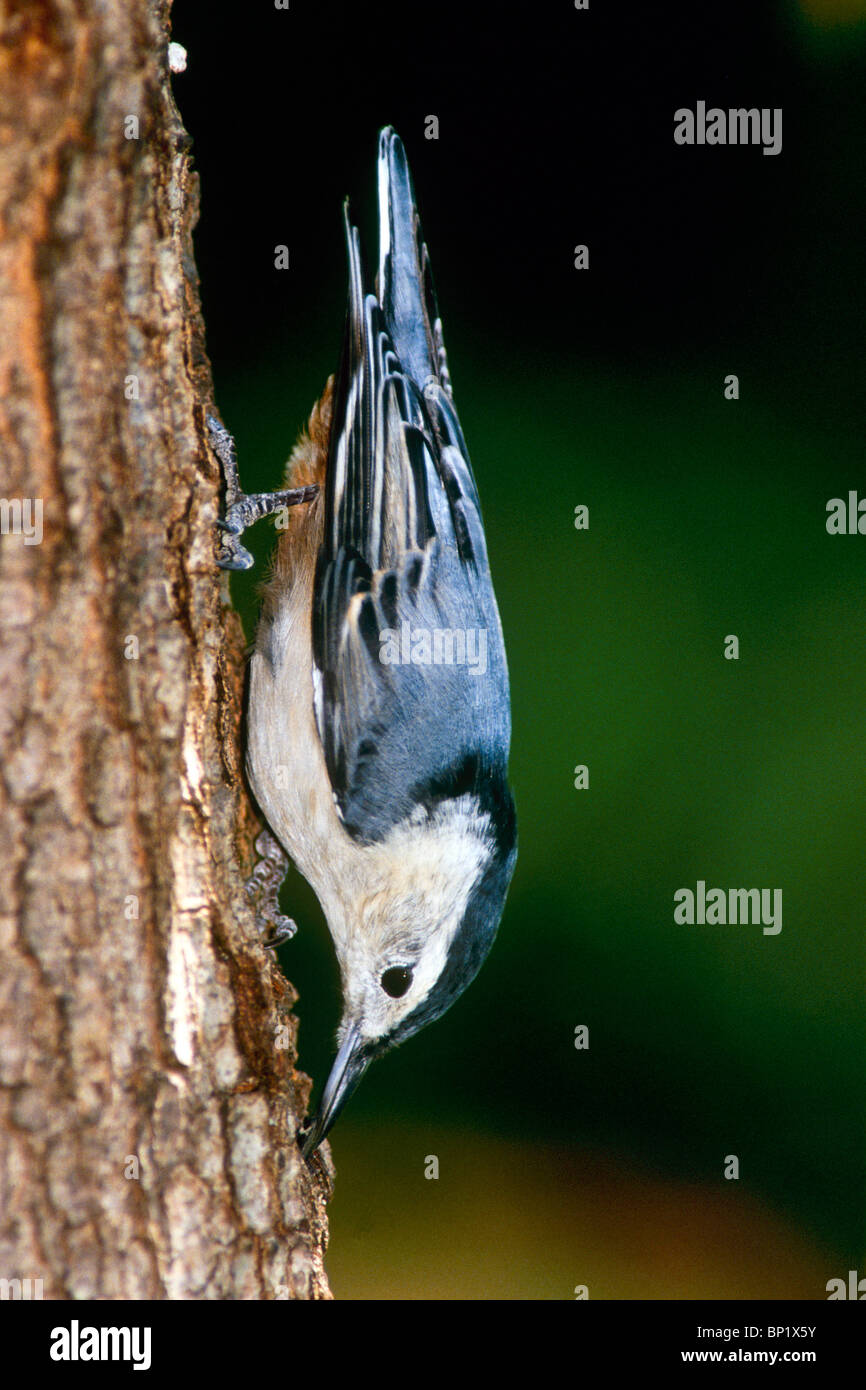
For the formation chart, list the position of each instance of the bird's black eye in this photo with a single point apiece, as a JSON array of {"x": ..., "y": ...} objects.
[{"x": 396, "y": 981}]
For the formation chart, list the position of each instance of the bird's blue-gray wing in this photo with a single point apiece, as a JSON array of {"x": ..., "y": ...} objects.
[{"x": 403, "y": 564}]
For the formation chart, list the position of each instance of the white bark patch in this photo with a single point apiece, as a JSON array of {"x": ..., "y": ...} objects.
[{"x": 182, "y": 996}]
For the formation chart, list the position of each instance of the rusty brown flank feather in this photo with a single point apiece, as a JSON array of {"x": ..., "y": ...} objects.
[{"x": 295, "y": 556}]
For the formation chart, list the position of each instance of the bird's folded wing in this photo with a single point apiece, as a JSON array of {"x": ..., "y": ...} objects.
[{"x": 406, "y": 635}]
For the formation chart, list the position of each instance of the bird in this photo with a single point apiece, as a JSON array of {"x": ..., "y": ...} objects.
[{"x": 378, "y": 719}]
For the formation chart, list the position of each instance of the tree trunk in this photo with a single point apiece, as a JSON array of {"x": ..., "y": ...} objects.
[{"x": 148, "y": 1095}]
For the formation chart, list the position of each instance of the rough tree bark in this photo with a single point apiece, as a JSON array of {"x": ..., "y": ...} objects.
[{"x": 148, "y": 1096}]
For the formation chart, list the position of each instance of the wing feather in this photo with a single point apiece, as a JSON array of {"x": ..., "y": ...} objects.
[{"x": 403, "y": 551}]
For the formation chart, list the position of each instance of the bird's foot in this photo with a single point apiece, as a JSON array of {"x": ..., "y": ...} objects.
[
  {"x": 262, "y": 888},
  {"x": 243, "y": 509}
]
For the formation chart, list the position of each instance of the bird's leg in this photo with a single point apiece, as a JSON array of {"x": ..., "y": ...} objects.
[
  {"x": 242, "y": 509},
  {"x": 263, "y": 886}
]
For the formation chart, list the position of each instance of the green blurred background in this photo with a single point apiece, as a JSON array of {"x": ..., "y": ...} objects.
[{"x": 600, "y": 1167}]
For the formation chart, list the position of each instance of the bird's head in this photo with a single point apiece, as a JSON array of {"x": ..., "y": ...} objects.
[{"x": 411, "y": 946}]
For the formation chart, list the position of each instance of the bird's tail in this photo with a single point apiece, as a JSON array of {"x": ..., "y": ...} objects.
[{"x": 405, "y": 283}]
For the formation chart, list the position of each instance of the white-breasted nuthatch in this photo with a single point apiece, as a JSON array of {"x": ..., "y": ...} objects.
[{"x": 378, "y": 720}]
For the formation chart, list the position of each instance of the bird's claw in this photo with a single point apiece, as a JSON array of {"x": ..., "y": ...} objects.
[
  {"x": 234, "y": 556},
  {"x": 263, "y": 886}
]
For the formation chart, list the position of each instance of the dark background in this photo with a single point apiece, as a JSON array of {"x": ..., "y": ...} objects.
[{"x": 707, "y": 517}]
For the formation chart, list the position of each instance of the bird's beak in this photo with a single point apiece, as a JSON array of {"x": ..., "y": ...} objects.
[{"x": 349, "y": 1066}]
